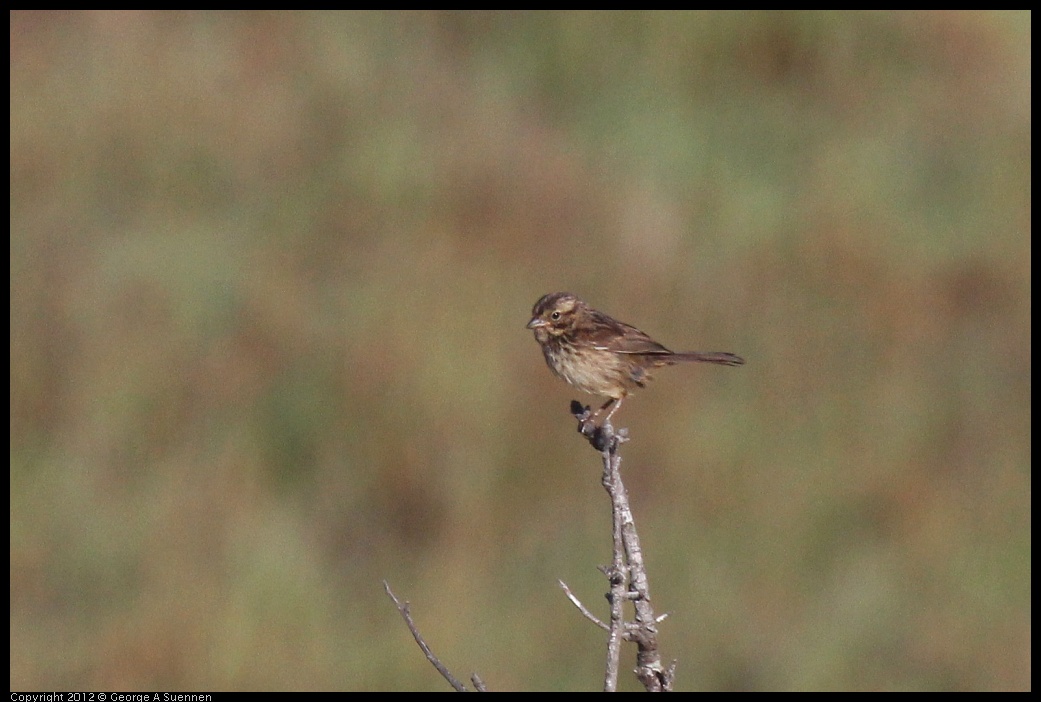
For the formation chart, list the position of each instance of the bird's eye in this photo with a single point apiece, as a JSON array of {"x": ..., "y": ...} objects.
[{"x": 555, "y": 316}]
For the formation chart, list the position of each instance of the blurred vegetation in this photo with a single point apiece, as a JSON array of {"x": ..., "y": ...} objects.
[{"x": 269, "y": 280}]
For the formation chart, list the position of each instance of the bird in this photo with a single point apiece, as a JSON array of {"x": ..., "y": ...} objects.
[{"x": 600, "y": 355}]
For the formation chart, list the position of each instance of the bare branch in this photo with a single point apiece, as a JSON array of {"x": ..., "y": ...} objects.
[
  {"x": 627, "y": 573},
  {"x": 627, "y": 576},
  {"x": 618, "y": 575},
  {"x": 445, "y": 673}
]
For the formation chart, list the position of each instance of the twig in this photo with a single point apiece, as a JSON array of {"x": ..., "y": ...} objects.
[
  {"x": 581, "y": 607},
  {"x": 445, "y": 673}
]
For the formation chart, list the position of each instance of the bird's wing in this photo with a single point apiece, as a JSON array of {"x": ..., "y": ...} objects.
[{"x": 622, "y": 338}]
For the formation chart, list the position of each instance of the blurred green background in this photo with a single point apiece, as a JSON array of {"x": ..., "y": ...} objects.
[{"x": 269, "y": 280}]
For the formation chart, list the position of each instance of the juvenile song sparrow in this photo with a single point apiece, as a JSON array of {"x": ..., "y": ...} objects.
[{"x": 600, "y": 355}]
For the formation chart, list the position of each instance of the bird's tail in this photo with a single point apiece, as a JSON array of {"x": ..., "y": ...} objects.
[{"x": 720, "y": 357}]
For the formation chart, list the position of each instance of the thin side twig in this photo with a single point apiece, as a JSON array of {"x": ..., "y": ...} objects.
[
  {"x": 434, "y": 660},
  {"x": 581, "y": 607}
]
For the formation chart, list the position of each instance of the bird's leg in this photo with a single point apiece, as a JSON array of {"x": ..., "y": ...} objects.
[
  {"x": 601, "y": 436},
  {"x": 600, "y": 411},
  {"x": 588, "y": 424},
  {"x": 617, "y": 403}
]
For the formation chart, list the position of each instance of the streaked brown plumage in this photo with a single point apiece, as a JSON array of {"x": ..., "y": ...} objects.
[{"x": 600, "y": 355}]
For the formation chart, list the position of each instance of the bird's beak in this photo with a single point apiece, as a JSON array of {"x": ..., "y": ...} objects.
[{"x": 537, "y": 322}]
